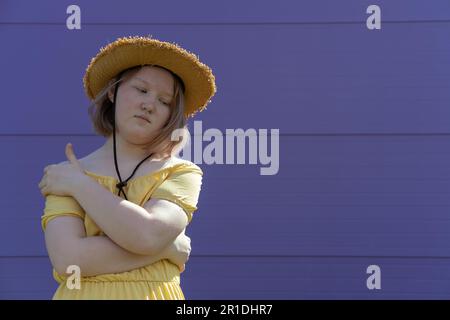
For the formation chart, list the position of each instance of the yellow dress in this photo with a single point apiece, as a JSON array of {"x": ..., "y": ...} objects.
[{"x": 178, "y": 181}]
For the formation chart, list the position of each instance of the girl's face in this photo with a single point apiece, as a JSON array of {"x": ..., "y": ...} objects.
[{"x": 147, "y": 93}]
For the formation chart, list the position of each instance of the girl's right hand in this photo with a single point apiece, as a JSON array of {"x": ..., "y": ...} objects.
[{"x": 178, "y": 252}]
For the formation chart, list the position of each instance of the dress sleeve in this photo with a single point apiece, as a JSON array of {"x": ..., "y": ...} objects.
[
  {"x": 182, "y": 187},
  {"x": 56, "y": 206}
]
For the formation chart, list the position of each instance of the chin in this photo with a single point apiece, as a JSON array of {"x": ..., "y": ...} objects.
[{"x": 137, "y": 136}]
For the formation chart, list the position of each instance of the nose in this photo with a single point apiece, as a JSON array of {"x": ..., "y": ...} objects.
[{"x": 148, "y": 105}]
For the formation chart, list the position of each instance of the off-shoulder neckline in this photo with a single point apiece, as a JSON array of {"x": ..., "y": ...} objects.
[
  {"x": 104, "y": 177},
  {"x": 111, "y": 178}
]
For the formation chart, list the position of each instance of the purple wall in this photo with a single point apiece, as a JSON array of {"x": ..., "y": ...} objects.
[{"x": 364, "y": 120}]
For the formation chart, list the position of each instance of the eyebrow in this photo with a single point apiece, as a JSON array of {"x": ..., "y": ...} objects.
[{"x": 165, "y": 93}]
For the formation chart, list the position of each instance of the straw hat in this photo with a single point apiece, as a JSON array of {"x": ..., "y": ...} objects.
[{"x": 127, "y": 52}]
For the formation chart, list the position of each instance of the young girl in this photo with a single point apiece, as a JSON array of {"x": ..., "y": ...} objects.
[{"x": 126, "y": 236}]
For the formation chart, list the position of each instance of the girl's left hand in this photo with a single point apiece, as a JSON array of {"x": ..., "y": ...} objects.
[{"x": 63, "y": 178}]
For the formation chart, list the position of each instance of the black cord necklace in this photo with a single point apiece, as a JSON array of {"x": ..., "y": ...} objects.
[{"x": 121, "y": 184}]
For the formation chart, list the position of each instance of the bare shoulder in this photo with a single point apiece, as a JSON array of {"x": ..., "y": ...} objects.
[
  {"x": 93, "y": 162},
  {"x": 86, "y": 162}
]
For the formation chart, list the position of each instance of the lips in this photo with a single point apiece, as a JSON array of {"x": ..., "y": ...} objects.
[{"x": 142, "y": 117}]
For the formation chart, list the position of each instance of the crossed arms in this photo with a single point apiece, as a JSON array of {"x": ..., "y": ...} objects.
[{"x": 135, "y": 236}]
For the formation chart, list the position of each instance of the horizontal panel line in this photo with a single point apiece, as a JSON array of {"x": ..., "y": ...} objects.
[
  {"x": 280, "y": 256},
  {"x": 344, "y": 134},
  {"x": 266, "y": 23},
  {"x": 362, "y": 134}
]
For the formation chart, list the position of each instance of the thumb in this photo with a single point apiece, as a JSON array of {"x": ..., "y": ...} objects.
[{"x": 71, "y": 155}]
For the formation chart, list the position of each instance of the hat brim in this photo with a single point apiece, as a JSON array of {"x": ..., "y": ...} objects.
[{"x": 128, "y": 52}]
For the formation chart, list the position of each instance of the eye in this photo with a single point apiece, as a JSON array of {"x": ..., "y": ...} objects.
[
  {"x": 166, "y": 103},
  {"x": 141, "y": 90}
]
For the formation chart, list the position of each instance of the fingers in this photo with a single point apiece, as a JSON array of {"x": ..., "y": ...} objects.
[
  {"x": 43, "y": 186},
  {"x": 45, "y": 173},
  {"x": 70, "y": 154},
  {"x": 44, "y": 190},
  {"x": 48, "y": 167}
]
